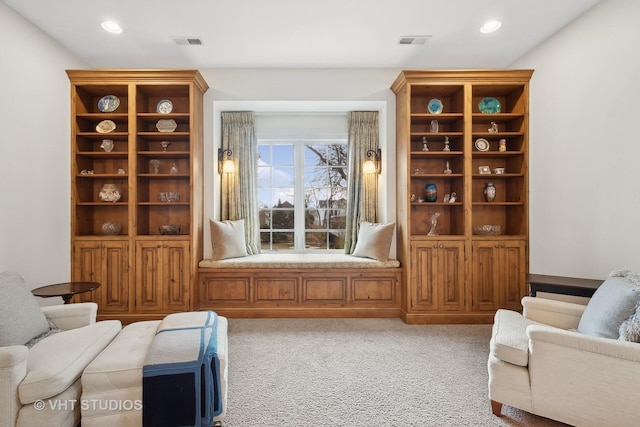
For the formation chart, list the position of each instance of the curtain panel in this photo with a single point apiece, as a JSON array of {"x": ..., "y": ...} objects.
[
  {"x": 362, "y": 189},
  {"x": 238, "y": 190}
]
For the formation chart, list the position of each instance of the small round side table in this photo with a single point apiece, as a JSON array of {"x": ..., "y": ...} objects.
[{"x": 65, "y": 290}]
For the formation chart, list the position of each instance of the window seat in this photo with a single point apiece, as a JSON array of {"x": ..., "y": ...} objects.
[
  {"x": 335, "y": 260},
  {"x": 299, "y": 285}
]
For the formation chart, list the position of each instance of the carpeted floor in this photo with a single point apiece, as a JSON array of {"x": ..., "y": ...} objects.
[{"x": 361, "y": 372}]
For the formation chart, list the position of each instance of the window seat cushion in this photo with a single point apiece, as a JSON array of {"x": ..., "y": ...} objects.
[{"x": 299, "y": 261}]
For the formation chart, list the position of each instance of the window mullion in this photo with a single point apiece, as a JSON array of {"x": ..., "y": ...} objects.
[{"x": 299, "y": 197}]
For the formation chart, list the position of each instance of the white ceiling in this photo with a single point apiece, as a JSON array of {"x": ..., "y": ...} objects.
[{"x": 300, "y": 33}]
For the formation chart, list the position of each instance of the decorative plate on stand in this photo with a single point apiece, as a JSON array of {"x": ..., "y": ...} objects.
[
  {"x": 489, "y": 105},
  {"x": 482, "y": 144},
  {"x": 106, "y": 126},
  {"x": 164, "y": 106},
  {"x": 108, "y": 103},
  {"x": 166, "y": 125},
  {"x": 434, "y": 106}
]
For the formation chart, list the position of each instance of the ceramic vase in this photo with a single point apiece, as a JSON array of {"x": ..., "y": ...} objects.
[
  {"x": 430, "y": 193},
  {"x": 489, "y": 192}
]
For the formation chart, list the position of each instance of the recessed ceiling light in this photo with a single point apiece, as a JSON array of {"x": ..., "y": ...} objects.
[
  {"x": 111, "y": 27},
  {"x": 490, "y": 27}
]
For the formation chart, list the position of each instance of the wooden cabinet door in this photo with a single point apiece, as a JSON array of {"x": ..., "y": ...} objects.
[
  {"x": 106, "y": 262},
  {"x": 485, "y": 275},
  {"x": 437, "y": 276},
  {"x": 513, "y": 284},
  {"x": 162, "y": 275},
  {"x": 498, "y": 274},
  {"x": 176, "y": 276}
]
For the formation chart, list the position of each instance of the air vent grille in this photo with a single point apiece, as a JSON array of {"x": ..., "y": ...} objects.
[
  {"x": 414, "y": 39},
  {"x": 187, "y": 41}
]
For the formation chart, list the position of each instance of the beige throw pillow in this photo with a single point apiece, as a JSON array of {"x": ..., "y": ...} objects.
[
  {"x": 227, "y": 239},
  {"x": 374, "y": 240}
]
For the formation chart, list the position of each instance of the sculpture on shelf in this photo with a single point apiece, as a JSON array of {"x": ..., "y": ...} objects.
[
  {"x": 433, "y": 222},
  {"x": 447, "y": 169},
  {"x": 446, "y": 144},
  {"x": 493, "y": 128},
  {"x": 424, "y": 144}
]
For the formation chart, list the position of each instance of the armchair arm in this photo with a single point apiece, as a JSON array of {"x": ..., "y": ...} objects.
[
  {"x": 561, "y": 314},
  {"x": 13, "y": 369},
  {"x": 570, "y": 340},
  {"x": 71, "y": 316}
]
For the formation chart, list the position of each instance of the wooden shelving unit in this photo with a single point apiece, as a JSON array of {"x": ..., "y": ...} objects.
[
  {"x": 144, "y": 273},
  {"x": 459, "y": 276}
]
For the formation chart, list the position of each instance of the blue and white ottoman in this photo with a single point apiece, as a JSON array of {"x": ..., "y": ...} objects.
[{"x": 178, "y": 359}]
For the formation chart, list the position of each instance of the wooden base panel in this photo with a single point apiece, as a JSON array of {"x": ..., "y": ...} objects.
[{"x": 448, "y": 319}]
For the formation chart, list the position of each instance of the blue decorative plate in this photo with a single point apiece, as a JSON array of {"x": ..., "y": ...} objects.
[
  {"x": 108, "y": 103},
  {"x": 434, "y": 106},
  {"x": 489, "y": 105}
]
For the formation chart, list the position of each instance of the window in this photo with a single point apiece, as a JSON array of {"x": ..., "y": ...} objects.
[{"x": 302, "y": 194}]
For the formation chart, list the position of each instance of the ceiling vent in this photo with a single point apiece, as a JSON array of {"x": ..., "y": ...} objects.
[
  {"x": 414, "y": 39},
  {"x": 187, "y": 41}
]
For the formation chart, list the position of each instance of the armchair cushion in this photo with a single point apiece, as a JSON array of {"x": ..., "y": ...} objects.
[
  {"x": 509, "y": 341},
  {"x": 20, "y": 316},
  {"x": 58, "y": 361},
  {"x": 612, "y": 303}
]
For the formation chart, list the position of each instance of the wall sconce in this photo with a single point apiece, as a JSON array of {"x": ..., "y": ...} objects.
[
  {"x": 372, "y": 164},
  {"x": 225, "y": 165}
]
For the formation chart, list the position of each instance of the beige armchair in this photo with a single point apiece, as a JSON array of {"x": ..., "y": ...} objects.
[
  {"x": 539, "y": 363},
  {"x": 41, "y": 384}
]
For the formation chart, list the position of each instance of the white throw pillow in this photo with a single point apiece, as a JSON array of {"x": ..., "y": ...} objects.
[
  {"x": 630, "y": 328},
  {"x": 613, "y": 302},
  {"x": 374, "y": 240},
  {"x": 227, "y": 239},
  {"x": 20, "y": 316}
]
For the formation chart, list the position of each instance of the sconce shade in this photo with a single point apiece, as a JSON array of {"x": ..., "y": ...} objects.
[
  {"x": 225, "y": 165},
  {"x": 228, "y": 166},
  {"x": 372, "y": 164},
  {"x": 369, "y": 167}
]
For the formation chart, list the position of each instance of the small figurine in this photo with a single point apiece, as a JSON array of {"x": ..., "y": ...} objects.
[
  {"x": 453, "y": 197},
  {"x": 174, "y": 169},
  {"x": 503, "y": 145},
  {"x": 424, "y": 144},
  {"x": 447, "y": 168},
  {"x": 493, "y": 128},
  {"x": 434, "y": 222},
  {"x": 413, "y": 198},
  {"x": 155, "y": 163},
  {"x": 446, "y": 144},
  {"x": 447, "y": 197},
  {"x": 121, "y": 171},
  {"x": 434, "y": 127}
]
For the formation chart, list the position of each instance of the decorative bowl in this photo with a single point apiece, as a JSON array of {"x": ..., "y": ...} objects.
[
  {"x": 166, "y": 125},
  {"x": 169, "y": 229},
  {"x": 487, "y": 229},
  {"x": 111, "y": 228},
  {"x": 168, "y": 196},
  {"x": 109, "y": 193}
]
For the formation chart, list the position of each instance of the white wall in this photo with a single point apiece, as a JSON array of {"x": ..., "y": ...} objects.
[
  {"x": 34, "y": 152},
  {"x": 584, "y": 150}
]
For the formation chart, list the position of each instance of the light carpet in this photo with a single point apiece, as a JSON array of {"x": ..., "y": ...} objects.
[{"x": 361, "y": 372}]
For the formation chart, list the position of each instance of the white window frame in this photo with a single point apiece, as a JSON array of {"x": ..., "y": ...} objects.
[
  {"x": 387, "y": 177},
  {"x": 299, "y": 229}
]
